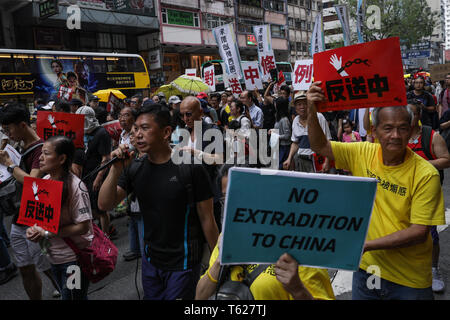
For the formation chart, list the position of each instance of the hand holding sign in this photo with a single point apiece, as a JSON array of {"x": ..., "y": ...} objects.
[{"x": 286, "y": 270}]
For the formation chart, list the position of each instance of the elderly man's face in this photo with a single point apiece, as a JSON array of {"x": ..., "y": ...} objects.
[
  {"x": 301, "y": 108},
  {"x": 190, "y": 112},
  {"x": 393, "y": 129}
]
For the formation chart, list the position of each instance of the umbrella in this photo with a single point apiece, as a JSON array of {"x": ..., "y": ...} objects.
[
  {"x": 190, "y": 85},
  {"x": 169, "y": 91},
  {"x": 103, "y": 95}
]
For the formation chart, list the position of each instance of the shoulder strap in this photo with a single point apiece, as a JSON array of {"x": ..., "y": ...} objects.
[
  {"x": 28, "y": 151},
  {"x": 250, "y": 277},
  {"x": 427, "y": 137}
]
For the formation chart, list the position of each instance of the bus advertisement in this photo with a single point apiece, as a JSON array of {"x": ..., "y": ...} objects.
[{"x": 43, "y": 74}]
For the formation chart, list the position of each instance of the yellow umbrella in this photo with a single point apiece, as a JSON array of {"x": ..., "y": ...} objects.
[
  {"x": 169, "y": 91},
  {"x": 103, "y": 95},
  {"x": 190, "y": 85}
]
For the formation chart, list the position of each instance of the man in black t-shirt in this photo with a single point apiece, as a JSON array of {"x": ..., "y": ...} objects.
[
  {"x": 174, "y": 232},
  {"x": 430, "y": 116}
]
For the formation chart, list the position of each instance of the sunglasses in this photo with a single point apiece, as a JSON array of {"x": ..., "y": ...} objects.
[{"x": 187, "y": 114}]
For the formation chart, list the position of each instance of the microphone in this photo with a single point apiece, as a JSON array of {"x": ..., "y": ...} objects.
[{"x": 131, "y": 148}]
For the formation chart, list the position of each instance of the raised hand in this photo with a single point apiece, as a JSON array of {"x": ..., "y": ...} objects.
[{"x": 337, "y": 64}]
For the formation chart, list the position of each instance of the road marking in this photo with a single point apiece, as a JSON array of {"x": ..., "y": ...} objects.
[{"x": 342, "y": 282}]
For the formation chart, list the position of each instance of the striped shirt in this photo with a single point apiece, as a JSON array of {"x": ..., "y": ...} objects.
[{"x": 300, "y": 134}]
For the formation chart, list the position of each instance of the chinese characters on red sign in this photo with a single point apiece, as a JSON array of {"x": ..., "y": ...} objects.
[
  {"x": 50, "y": 124},
  {"x": 41, "y": 203},
  {"x": 361, "y": 76}
]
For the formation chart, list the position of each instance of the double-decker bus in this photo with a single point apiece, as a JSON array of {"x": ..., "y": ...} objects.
[{"x": 29, "y": 74}]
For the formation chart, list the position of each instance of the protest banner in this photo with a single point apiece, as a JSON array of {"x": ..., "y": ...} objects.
[
  {"x": 342, "y": 13},
  {"x": 41, "y": 203},
  {"x": 49, "y": 124},
  {"x": 209, "y": 79},
  {"x": 252, "y": 75},
  {"x": 302, "y": 214},
  {"x": 317, "y": 37},
  {"x": 15, "y": 157},
  {"x": 115, "y": 104},
  {"x": 360, "y": 16},
  {"x": 114, "y": 129},
  {"x": 361, "y": 76},
  {"x": 303, "y": 74},
  {"x": 228, "y": 49},
  {"x": 266, "y": 56},
  {"x": 232, "y": 81}
]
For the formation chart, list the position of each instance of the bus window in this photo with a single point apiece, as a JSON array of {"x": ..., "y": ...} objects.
[
  {"x": 23, "y": 63},
  {"x": 98, "y": 65},
  {"x": 116, "y": 64},
  {"x": 135, "y": 65},
  {"x": 6, "y": 65}
]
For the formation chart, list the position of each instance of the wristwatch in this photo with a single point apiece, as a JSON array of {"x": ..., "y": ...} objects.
[
  {"x": 46, "y": 234},
  {"x": 11, "y": 168}
]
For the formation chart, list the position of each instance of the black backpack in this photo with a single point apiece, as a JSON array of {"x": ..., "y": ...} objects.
[{"x": 228, "y": 289}]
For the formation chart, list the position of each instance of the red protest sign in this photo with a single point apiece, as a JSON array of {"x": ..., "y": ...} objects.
[
  {"x": 71, "y": 125},
  {"x": 114, "y": 103},
  {"x": 361, "y": 76},
  {"x": 41, "y": 203},
  {"x": 114, "y": 129}
]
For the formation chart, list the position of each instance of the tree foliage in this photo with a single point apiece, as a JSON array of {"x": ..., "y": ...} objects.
[{"x": 411, "y": 20}]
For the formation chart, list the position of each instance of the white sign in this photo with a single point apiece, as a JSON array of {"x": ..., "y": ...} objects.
[
  {"x": 302, "y": 75},
  {"x": 252, "y": 75},
  {"x": 154, "y": 59},
  {"x": 15, "y": 157},
  {"x": 266, "y": 57},
  {"x": 208, "y": 78},
  {"x": 228, "y": 49},
  {"x": 191, "y": 72},
  {"x": 232, "y": 81}
]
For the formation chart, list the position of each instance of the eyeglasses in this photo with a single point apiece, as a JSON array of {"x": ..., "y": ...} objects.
[
  {"x": 125, "y": 115},
  {"x": 187, "y": 114}
]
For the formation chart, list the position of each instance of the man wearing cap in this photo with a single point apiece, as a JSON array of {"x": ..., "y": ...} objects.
[
  {"x": 97, "y": 142},
  {"x": 174, "y": 102},
  {"x": 93, "y": 102},
  {"x": 301, "y": 151},
  {"x": 208, "y": 110},
  {"x": 75, "y": 104}
]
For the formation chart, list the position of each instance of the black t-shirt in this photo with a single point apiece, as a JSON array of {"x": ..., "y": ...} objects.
[
  {"x": 98, "y": 145},
  {"x": 172, "y": 232},
  {"x": 269, "y": 115}
]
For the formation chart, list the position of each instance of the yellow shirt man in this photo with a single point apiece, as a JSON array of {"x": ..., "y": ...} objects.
[
  {"x": 267, "y": 287},
  {"x": 409, "y": 193}
]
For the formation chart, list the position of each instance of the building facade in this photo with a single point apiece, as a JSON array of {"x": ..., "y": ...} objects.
[
  {"x": 301, "y": 17},
  {"x": 186, "y": 40}
]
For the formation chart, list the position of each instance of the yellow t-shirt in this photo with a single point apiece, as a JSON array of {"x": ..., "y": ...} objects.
[
  {"x": 409, "y": 193},
  {"x": 267, "y": 287}
]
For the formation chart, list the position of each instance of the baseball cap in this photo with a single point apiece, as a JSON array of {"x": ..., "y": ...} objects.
[
  {"x": 76, "y": 102},
  {"x": 94, "y": 98},
  {"x": 202, "y": 95},
  {"x": 161, "y": 95},
  {"x": 300, "y": 95},
  {"x": 174, "y": 100}
]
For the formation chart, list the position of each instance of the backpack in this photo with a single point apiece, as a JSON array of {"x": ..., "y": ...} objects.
[
  {"x": 11, "y": 190},
  {"x": 236, "y": 290},
  {"x": 99, "y": 258}
]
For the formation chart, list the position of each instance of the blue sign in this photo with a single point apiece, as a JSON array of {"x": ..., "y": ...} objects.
[
  {"x": 319, "y": 219},
  {"x": 420, "y": 54}
]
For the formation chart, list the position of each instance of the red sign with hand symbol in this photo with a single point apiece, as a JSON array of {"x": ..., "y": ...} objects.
[{"x": 361, "y": 76}]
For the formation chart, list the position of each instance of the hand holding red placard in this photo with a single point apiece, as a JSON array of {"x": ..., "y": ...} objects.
[
  {"x": 361, "y": 76},
  {"x": 41, "y": 203}
]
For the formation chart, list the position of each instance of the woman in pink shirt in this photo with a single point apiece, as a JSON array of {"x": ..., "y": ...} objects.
[{"x": 75, "y": 220}]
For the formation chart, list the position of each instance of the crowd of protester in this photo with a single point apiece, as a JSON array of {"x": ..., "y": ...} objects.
[{"x": 152, "y": 191}]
